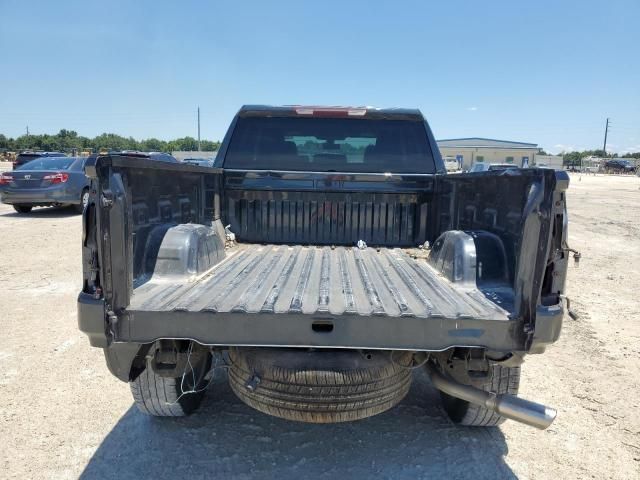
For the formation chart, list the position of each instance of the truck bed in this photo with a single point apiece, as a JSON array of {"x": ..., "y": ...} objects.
[
  {"x": 284, "y": 284},
  {"x": 334, "y": 281}
]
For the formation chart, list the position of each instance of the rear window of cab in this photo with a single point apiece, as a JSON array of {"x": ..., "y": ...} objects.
[{"x": 330, "y": 145}]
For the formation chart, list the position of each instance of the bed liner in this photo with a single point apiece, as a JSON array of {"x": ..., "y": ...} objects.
[{"x": 335, "y": 281}]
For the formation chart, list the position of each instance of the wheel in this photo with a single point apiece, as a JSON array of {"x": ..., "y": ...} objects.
[
  {"x": 84, "y": 200},
  {"x": 500, "y": 380},
  {"x": 319, "y": 386},
  {"x": 170, "y": 397},
  {"x": 22, "y": 208}
]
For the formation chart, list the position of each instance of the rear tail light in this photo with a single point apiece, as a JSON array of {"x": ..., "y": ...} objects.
[
  {"x": 6, "y": 179},
  {"x": 57, "y": 177}
]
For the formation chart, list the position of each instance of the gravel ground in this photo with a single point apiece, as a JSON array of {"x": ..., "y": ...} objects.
[{"x": 62, "y": 415}]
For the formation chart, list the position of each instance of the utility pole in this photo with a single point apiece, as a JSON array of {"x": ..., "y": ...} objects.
[
  {"x": 606, "y": 130},
  {"x": 27, "y": 130},
  {"x": 199, "y": 129}
]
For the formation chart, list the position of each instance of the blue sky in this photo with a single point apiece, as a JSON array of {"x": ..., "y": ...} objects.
[{"x": 547, "y": 72}]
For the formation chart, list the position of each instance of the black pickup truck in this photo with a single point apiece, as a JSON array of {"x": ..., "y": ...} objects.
[{"x": 325, "y": 256}]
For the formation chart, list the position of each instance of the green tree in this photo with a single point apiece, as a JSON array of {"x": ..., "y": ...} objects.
[
  {"x": 187, "y": 144},
  {"x": 209, "y": 146},
  {"x": 153, "y": 145},
  {"x": 69, "y": 140},
  {"x": 111, "y": 141}
]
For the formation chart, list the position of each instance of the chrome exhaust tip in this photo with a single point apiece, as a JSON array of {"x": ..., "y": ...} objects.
[{"x": 505, "y": 405}]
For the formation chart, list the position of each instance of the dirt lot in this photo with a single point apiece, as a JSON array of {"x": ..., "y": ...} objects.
[{"x": 62, "y": 415}]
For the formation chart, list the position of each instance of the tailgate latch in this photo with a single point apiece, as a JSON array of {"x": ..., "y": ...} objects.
[{"x": 106, "y": 199}]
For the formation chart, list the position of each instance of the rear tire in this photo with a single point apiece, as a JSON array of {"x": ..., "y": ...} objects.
[
  {"x": 319, "y": 386},
  {"x": 501, "y": 380},
  {"x": 170, "y": 397},
  {"x": 22, "y": 208},
  {"x": 84, "y": 199}
]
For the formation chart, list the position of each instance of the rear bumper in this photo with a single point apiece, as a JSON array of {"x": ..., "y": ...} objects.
[
  {"x": 47, "y": 196},
  {"x": 319, "y": 331}
]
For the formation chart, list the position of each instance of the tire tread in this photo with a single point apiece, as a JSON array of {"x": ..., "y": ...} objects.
[
  {"x": 318, "y": 395},
  {"x": 502, "y": 380},
  {"x": 162, "y": 396}
]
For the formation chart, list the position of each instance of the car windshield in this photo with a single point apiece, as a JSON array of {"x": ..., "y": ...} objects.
[
  {"x": 330, "y": 145},
  {"x": 25, "y": 157},
  {"x": 44, "y": 163}
]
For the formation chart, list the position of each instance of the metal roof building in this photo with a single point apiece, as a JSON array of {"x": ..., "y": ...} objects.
[{"x": 475, "y": 149}]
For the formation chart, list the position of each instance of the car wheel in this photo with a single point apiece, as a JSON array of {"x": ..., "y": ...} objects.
[
  {"x": 22, "y": 208},
  {"x": 317, "y": 386},
  {"x": 84, "y": 200},
  {"x": 161, "y": 396},
  {"x": 500, "y": 380}
]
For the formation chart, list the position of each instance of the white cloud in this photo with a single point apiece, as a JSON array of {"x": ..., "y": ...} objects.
[
  {"x": 561, "y": 147},
  {"x": 472, "y": 109}
]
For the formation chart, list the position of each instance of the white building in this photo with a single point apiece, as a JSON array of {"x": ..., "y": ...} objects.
[{"x": 471, "y": 150}]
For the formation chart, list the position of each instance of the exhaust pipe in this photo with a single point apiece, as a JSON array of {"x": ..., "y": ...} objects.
[{"x": 505, "y": 405}]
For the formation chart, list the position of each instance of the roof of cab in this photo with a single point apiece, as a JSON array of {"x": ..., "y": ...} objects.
[{"x": 329, "y": 111}]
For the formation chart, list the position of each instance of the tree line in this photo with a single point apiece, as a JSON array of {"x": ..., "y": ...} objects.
[
  {"x": 68, "y": 140},
  {"x": 573, "y": 158}
]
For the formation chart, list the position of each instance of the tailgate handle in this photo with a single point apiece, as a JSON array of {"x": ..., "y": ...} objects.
[{"x": 322, "y": 326}]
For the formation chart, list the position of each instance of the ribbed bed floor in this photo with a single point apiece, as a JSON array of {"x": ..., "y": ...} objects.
[{"x": 315, "y": 280}]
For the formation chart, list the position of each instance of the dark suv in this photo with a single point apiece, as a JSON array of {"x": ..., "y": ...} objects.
[
  {"x": 619, "y": 165},
  {"x": 25, "y": 157}
]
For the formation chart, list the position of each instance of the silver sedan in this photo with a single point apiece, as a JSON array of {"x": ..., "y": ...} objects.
[{"x": 44, "y": 182}]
